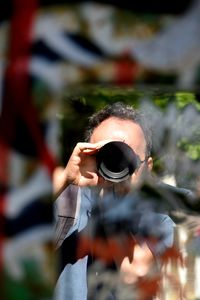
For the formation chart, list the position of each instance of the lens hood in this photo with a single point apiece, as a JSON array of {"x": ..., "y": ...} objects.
[{"x": 116, "y": 161}]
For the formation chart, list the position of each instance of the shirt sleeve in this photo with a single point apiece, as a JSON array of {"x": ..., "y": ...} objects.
[{"x": 65, "y": 212}]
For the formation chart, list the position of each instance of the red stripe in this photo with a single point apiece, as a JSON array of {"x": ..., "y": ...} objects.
[
  {"x": 126, "y": 70},
  {"x": 21, "y": 28},
  {"x": 18, "y": 77},
  {"x": 4, "y": 156},
  {"x": 17, "y": 91},
  {"x": 2, "y": 228}
]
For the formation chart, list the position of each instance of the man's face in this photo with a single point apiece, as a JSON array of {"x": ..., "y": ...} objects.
[{"x": 129, "y": 132}]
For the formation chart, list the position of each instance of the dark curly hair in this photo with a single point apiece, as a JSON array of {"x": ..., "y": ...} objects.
[{"x": 122, "y": 111}]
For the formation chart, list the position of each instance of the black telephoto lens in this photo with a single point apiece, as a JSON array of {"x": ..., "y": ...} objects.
[{"x": 116, "y": 161}]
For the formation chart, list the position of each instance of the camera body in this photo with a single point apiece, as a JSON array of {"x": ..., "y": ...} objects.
[{"x": 116, "y": 161}]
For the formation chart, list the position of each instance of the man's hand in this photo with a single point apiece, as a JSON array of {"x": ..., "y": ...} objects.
[
  {"x": 140, "y": 265},
  {"x": 81, "y": 168}
]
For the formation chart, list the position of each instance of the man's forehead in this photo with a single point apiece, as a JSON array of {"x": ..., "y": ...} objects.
[{"x": 122, "y": 130}]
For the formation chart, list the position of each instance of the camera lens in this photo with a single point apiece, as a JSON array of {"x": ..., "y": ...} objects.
[{"x": 116, "y": 161}]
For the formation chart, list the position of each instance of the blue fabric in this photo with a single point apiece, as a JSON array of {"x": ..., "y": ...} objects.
[{"x": 72, "y": 283}]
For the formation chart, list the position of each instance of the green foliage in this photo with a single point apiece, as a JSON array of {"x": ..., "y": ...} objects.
[
  {"x": 192, "y": 150},
  {"x": 182, "y": 99}
]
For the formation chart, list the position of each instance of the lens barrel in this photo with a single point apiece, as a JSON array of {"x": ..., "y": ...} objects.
[{"x": 116, "y": 161}]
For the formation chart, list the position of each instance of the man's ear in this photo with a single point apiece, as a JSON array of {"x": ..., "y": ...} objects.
[{"x": 150, "y": 163}]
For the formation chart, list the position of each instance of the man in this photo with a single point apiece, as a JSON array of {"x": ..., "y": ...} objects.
[{"x": 80, "y": 188}]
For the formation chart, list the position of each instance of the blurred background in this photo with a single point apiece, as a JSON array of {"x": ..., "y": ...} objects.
[{"x": 60, "y": 61}]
